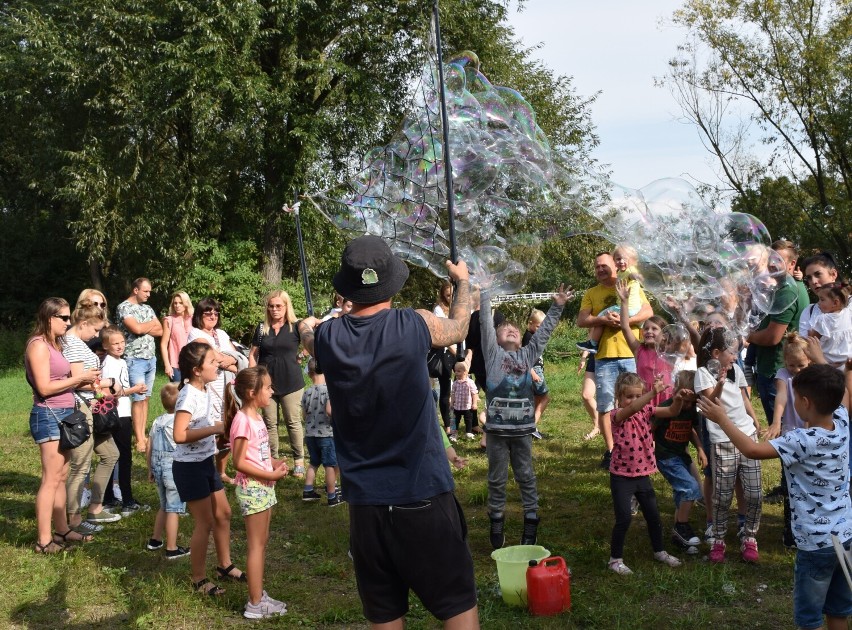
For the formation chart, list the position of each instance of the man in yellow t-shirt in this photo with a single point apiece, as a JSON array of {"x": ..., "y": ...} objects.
[{"x": 613, "y": 354}]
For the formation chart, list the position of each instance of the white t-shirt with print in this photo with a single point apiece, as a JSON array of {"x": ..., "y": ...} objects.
[
  {"x": 731, "y": 399},
  {"x": 197, "y": 403},
  {"x": 117, "y": 369}
]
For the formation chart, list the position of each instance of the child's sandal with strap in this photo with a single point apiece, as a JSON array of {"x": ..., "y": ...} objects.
[
  {"x": 50, "y": 548},
  {"x": 83, "y": 538},
  {"x": 206, "y": 587},
  {"x": 227, "y": 574}
]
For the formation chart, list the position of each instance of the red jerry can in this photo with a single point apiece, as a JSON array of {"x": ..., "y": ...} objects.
[{"x": 548, "y": 586}]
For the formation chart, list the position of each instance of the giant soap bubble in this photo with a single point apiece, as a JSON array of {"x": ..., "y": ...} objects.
[
  {"x": 505, "y": 181},
  {"x": 695, "y": 259}
]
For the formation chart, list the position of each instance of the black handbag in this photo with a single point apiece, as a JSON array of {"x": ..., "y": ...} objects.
[
  {"x": 435, "y": 362},
  {"x": 104, "y": 415},
  {"x": 73, "y": 430}
]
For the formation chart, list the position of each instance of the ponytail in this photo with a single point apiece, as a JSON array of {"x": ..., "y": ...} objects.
[{"x": 237, "y": 392}]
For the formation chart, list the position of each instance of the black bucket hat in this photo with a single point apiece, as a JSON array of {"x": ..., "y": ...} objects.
[{"x": 369, "y": 272}]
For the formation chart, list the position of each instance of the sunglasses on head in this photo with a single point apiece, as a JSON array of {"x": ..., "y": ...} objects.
[{"x": 100, "y": 304}]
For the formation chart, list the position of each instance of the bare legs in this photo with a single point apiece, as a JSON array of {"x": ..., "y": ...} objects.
[{"x": 50, "y": 499}]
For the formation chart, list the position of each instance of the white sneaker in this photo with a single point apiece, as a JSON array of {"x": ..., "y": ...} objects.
[
  {"x": 617, "y": 565},
  {"x": 116, "y": 491},
  {"x": 86, "y": 498},
  {"x": 667, "y": 559},
  {"x": 264, "y": 609},
  {"x": 266, "y": 598}
]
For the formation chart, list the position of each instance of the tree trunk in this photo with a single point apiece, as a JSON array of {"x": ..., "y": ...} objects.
[{"x": 97, "y": 280}]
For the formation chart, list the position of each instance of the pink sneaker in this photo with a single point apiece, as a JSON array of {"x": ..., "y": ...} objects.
[
  {"x": 749, "y": 550},
  {"x": 717, "y": 553}
]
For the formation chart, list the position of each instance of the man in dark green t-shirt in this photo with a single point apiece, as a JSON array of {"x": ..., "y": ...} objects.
[{"x": 769, "y": 335}]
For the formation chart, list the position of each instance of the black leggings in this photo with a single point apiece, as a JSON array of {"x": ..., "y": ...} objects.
[
  {"x": 444, "y": 397},
  {"x": 623, "y": 489},
  {"x": 121, "y": 437}
]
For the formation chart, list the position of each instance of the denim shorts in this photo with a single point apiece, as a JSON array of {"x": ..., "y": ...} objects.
[
  {"x": 540, "y": 388},
  {"x": 819, "y": 587},
  {"x": 684, "y": 486},
  {"x": 255, "y": 497},
  {"x": 321, "y": 451},
  {"x": 161, "y": 468},
  {"x": 142, "y": 371},
  {"x": 606, "y": 371},
  {"x": 44, "y": 422}
]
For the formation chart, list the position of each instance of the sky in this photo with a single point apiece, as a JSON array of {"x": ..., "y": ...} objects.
[{"x": 617, "y": 48}]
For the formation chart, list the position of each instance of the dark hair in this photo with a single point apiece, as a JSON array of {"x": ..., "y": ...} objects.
[
  {"x": 823, "y": 259},
  {"x": 139, "y": 282},
  {"x": 711, "y": 339},
  {"x": 86, "y": 311},
  {"x": 599, "y": 254},
  {"x": 838, "y": 290},
  {"x": 206, "y": 304},
  {"x": 312, "y": 366},
  {"x": 191, "y": 358},
  {"x": 823, "y": 385},
  {"x": 656, "y": 319},
  {"x": 168, "y": 396},
  {"x": 250, "y": 379},
  {"x": 46, "y": 310}
]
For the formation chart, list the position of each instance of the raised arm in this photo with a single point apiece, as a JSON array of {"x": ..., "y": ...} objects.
[
  {"x": 636, "y": 406},
  {"x": 748, "y": 447},
  {"x": 539, "y": 340},
  {"x": 447, "y": 331}
]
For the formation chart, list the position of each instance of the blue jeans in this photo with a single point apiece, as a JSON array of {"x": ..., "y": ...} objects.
[
  {"x": 684, "y": 486},
  {"x": 161, "y": 468},
  {"x": 766, "y": 391},
  {"x": 141, "y": 371},
  {"x": 606, "y": 371},
  {"x": 819, "y": 587},
  {"x": 321, "y": 451},
  {"x": 44, "y": 422}
]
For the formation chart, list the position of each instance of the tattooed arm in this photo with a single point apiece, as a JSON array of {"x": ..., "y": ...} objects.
[
  {"x": 306, "y": 333},
  {"x": 447, "y": 331}
]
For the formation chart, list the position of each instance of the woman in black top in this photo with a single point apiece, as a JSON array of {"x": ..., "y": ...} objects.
[{"x": 275, "y": 344}]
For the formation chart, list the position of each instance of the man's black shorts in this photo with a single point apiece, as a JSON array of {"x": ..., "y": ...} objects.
[{"x": 419, "y": 546}]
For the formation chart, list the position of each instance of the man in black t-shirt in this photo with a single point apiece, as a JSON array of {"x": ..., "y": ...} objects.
[{"x": 406, "y": 529}]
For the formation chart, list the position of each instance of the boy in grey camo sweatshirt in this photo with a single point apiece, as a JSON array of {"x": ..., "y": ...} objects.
[{"x": 510, "y": 419}]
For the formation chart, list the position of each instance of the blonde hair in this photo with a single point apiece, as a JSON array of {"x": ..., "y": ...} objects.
[
  {"x": 794, "y": 345},
  {"x": 536, "y": 316},
  {"x": 629, "y": 252},
  {"x": 86, "y": 296},
  {"x": 289, "y": 312},
  {"x": 86, "y": 311},
  {"x": 187, "y": 303}
]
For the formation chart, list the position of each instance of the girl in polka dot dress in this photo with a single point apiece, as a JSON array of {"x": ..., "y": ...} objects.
[{"x": 632, "y": 465}]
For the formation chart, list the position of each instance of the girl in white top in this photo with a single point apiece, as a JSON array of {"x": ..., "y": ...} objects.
[
  {"x": 833, "y": 325},
  {"x": 257, "y": 473},
  {"x": 717, "y": 353},
  {"x": 819, "y": 270},
  {"x": 197, "y": 481}
]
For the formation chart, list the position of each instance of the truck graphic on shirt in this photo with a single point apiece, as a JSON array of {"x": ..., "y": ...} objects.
[{"x": 506, "y": 415}]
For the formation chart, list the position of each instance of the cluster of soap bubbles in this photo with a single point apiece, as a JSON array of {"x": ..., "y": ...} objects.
[
  {"x": 694, "y": 259},
  {"x": 504, "y": 181}
]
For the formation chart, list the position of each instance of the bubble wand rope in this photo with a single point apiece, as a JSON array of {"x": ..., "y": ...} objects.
[{"x": 302, "y": 262}]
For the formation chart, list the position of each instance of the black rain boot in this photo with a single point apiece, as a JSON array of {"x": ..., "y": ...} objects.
[
  {"x": 530, "y": 531},
  {"x": 498, "y": 538}
]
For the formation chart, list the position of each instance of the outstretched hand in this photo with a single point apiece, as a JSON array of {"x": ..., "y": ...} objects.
[
  {"x": 711, "y": 409},
  {"x": 622, "y": 290},
  {"x": 813, "y": 350},
  {"x": 562, "y": 295}
]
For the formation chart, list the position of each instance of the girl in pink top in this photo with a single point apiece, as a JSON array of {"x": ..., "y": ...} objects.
[
  {"x": 632, "y": 464},
  {"x": 176, "y": 326},
  {"x": 256, "y": 476},
  {"x": 650, "y": 365}
]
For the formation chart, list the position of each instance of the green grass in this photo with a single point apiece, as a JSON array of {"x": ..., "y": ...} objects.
[{"x": 113, "y": 582}]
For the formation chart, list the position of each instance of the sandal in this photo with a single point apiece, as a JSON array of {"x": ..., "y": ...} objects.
[
  {"x": 213, "y": 590},
  {"x": 49, "y": 548},
  {"x": 82, "y": 538},
  {"x": 298, "y": 471},
  {"x": 591, "y": 435},
  {"x": 226, "y": 574}
]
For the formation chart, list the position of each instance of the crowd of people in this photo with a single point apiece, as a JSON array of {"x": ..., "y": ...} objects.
[{"x": 383, "y": 433}]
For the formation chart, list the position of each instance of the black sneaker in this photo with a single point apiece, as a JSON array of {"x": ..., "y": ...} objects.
[
  {"x": 605, "y": 460},
  {"x": 154, "y": 544},
  {"x": 683, "y": 535},
  {"x": 337, "y": 500},
  {"x": 530, "y": 531},
  {"x": 113, "y": 506},
  {"x": 310, "y": 495},
  {"x": 498, "y": 538},
  {"x": 129, "y": 509},
  {"x": 776, "y": 495},
  {"x": 174, "y": 554},
  {"x": 588, "y": 346}
]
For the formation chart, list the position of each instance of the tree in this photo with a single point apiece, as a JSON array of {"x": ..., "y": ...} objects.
[{"x": 784, "y": 68}]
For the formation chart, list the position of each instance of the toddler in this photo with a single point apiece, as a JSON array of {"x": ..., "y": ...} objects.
[
  {"x": 319, "y": 438},
  {"x": 833, "y": 326},
  {"x": 465, "y": 399},
  {"x": 159, "y": 454}
]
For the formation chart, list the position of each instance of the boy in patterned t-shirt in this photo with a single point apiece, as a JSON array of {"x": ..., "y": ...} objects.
[
  {"x": 319, "y": 438},
  {"x": 816, "y": 466}
]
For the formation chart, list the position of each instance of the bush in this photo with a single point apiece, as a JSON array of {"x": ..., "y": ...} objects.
[{"x": 12, "y": 345}]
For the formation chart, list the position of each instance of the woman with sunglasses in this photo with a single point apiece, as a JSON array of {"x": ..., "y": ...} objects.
[
  {"x": 98, "y": 299},
  {"x": 87, "y": 320},
  {"x": 275, "y": 345},
  {"x": 49, "y": 376},
  {"x": 205, "y": 328}
]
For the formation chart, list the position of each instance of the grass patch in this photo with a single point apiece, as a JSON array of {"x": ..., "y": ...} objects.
[{"x": 115, "y": 583}]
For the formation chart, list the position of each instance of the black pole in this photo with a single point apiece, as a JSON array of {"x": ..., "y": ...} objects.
[
  {"x": 448, "y": 169},
  {"x": 302, "y": 262}
]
